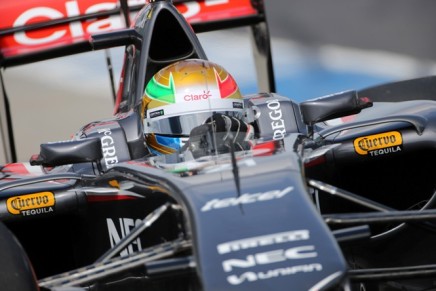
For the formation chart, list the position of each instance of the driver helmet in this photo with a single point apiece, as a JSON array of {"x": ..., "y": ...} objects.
[{"x": 182, "y": 96}]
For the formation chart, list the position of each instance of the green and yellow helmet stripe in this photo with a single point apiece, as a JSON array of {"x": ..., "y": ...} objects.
[{"x": 161, "y": 92}]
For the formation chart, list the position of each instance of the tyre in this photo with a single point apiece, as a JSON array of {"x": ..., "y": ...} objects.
[{"x": 16, "y": 273}]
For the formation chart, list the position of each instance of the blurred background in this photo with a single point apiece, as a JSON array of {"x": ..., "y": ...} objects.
[{"x": 318, "y": 47}]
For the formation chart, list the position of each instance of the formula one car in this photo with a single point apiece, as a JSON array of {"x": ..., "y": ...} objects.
[{"x": 334, "y": 195}]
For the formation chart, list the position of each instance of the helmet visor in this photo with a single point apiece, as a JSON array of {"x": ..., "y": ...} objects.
[{"x": 183, "y": 124}]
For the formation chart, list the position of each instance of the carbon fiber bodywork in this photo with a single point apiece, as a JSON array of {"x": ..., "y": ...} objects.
[{"x": 323, "y": 200}]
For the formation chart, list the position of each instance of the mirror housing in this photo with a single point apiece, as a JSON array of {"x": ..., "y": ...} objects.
[
  {"x": 333, "y": 106},
  {"x": 123, "y": 37},
  {"x": 68, "y": 152}
]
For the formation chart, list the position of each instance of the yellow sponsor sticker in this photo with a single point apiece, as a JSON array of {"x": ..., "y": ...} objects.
[
  {"x": 364, "y": 145},
  {"x": 23, "y": 203}
]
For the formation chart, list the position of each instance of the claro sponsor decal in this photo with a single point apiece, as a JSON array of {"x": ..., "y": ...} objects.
[
  {"x": 31, "y": 204},
  {"x": 195, "y": 97},
  {"x": 245, "y": 199},
  {"x": 27, "y": 13},
  {"x": 238, "y": 268},
  {"x": 379, "y": 144}
]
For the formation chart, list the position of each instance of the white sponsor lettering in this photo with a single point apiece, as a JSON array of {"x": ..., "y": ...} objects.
[
  {"x": 125, "y": 226},
  {"x": 108, "y": 148},
  {"x": 270, "y": 257},
  {"x": 254, "y": 276},
  {"x": 215, "y": 2},
  {"x": 37, "y": 211},
  {"x": 193, "y": 8},
  {"x": 246, "y": 199},
  {"x": 263, "y": 240},
  {"x": 277, "y": 123},
  {"x": 385, "y": 151},
  {"x": 45, "y": 12},
  {"x": 77, "y": 29}
]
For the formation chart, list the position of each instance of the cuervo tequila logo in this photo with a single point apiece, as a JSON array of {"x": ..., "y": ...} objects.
[
  {"x": 31, "y": 204},
  {"x": 376, "y": 144}
]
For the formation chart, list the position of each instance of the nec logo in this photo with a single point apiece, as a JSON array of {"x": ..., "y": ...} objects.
[
  {"x": 270, "y": 257},
  {"x": 120, "y": 228},
  {"x": 264, "y": 261}
]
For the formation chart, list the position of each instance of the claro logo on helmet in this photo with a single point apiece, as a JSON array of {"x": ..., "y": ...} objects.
[
  {"x": 31, "y": 204},
  {"x": 195, "y": 97},
  {"x": 379, "y": 144}
]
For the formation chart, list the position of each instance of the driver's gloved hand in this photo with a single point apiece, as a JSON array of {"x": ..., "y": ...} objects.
[{"x": 217, "y": 135}]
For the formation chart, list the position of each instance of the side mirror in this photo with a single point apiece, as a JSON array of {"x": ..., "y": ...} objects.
[
  {"x": 112, "y": 39},
  {"x": 333, "y": 106},
  {"x": 273, "y": 116},
  {"x": 68, "y": 152}
]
